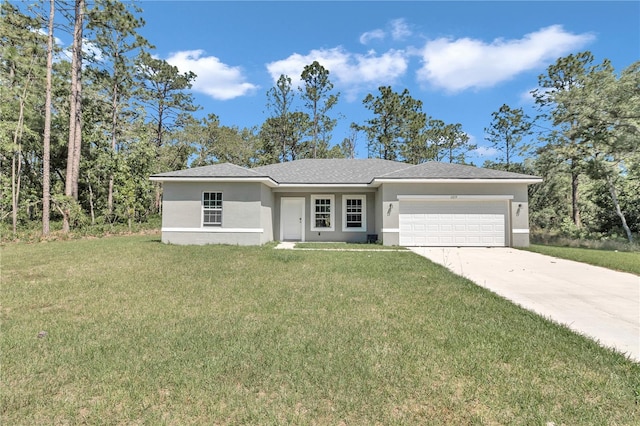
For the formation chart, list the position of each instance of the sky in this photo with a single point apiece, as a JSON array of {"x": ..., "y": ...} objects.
[{"x": 463, "y": 60}]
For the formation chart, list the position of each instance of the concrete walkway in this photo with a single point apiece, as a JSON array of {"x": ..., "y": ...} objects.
[
  {"x": 291, "y": 245},
  {"x": 286, "y": 245},
  {"x": 594, "y": 301}
]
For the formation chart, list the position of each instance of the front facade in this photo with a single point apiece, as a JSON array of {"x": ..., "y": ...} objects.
[{"x": 431, "y": 204}]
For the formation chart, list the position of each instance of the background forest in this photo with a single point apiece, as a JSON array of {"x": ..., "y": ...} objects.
[{"x": 82, "y": 129}]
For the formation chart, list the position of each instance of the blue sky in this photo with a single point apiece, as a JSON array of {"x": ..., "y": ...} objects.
[{"x": 462, "y": 59}]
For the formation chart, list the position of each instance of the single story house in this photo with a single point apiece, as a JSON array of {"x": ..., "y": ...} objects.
[{"x": 351, "y": 200}]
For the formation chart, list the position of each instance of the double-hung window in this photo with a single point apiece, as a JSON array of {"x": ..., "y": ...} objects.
[
  {"x": 322, "y": 212},
  {"x": 354, "y": 213},
  {"x": 212, "y": 208}
]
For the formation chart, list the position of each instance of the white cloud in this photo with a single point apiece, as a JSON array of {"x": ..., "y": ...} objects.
[
  {"x": 349, "y": 72},
  {"x": 399, "y": 29},
  {"x": 465, "y": 63},
  {"x": 485, "y": 151},
  {"x": 378, "y": 34},
  {"x": 214, "y": 78},
  {"x": 92, "y": 51},
  {"x": 44, "y": 32}
]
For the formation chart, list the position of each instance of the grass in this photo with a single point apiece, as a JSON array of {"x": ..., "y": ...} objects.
[
  {"x": 347, "y": 246},
  {"x": 596, "y": 242},
  {"x": 619, "y": 261},
  {"x": 144, "y": 333},
  {"x": 31, "y": 231}
]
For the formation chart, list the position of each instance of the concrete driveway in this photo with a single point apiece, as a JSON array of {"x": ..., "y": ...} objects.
[{"x": 597, "y": 302}]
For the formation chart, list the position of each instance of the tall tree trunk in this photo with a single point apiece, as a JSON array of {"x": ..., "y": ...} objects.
[
  {"x": 575, "y": 207},
  {"x": 46, "y": 155},
  {"x": 114, "y": 126},
  {"x": 616, "y": 204},
  {"x": 159, "y": 135},
  {"x": 75, "y": 113},
  {"x": 91, "y": 209},
  {"x": 508, "y": 154},
  {"x": 16, "y": 164},
  {"x": 77, "y": 134},
  {"x": 15, "y": 187}
]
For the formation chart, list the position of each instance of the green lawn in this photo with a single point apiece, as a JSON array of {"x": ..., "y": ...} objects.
[
  {"x": 616, "y": 260},
  {"x": 144, "y": 333}
]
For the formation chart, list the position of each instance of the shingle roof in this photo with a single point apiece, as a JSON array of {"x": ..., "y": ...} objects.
[
  {"x": 435, "y": 170},
  {"x": 223, "y": 170},
  {"x": 343, "y": 171},
  {"x": 330, "y": 171}
]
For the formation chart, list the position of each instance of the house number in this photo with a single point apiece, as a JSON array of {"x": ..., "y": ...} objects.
[{"x": 453, "y": 197}]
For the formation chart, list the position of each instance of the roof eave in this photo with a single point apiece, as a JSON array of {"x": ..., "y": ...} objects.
[
  {"x": 323, "y": 185},
  {"x": 267, "y": 181},
  {"x": 528, "y": 181}
]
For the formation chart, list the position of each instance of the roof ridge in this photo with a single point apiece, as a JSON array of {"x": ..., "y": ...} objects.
[{"x": 409, "y": 166}]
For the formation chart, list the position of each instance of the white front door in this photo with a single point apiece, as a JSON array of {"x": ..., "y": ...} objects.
[{"x": 292, "y": 219}]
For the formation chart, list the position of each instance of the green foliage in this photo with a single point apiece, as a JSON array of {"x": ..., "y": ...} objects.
[
  {"x": 401, "y": 131},
  {"x": 74, "y": 211},
  {"x": 31, "y": 231},
  {"x": 397, "y": 128},
  {"x": 319, "y": 100},
  {"x": 594, "y": 142},
  {"x": 606, "y": 110},
  {"x": 162, "y": 89},
  {"x": 213, "y": 143},
  {"x": 508, "y": 131},
  {"x": 277, "y": 131},
  {"x": 138, "y": 120},
  {"x": 297, "y": 146},
  {"x": 22, "y": 71},
  {"x": 447, "y": 142}
]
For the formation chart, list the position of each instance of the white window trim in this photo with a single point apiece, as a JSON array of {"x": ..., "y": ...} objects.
[
  {"x": 362, "y": 197},
  {"x": 202, "y": 209},
  {"x": 332, "y": 213}
]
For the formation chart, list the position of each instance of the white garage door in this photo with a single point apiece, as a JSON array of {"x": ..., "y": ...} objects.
[{"x": 459, "y": 223}]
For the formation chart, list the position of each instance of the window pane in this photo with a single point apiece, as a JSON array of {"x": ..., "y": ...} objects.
[
  {"x": 212, "y": 208},
  {"x": 323, "y": 212},
  {"x": 354, "y": 213},
  {"x": 323, "y": 220}
]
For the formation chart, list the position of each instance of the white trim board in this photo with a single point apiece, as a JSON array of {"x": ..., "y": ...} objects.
[
  {"x": 216, "y": 230},
  {"x": 379, "y": 181},
  {"x": 267, "y": 181},
  {"x": 453, "y": 197}
]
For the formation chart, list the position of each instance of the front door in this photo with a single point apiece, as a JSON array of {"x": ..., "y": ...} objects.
[{"x": 292, "y": 219}]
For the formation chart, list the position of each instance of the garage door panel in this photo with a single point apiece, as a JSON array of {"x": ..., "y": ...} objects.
[
  {"x": 419, "y": 227},
  {"x": 453, "y": 223}
]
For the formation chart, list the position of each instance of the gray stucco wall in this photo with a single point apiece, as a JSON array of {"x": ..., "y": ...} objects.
[
  {"x": 518, "y": 220},
  {"x": 266, "y": 214},
  {"x": 251, "y": 211},
  {"x": 246, "y": 213},
  {"x": 337, "y": 234},
  {"x": 202, "y": 238}
]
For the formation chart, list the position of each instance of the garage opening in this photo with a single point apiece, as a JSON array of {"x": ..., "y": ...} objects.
[{"x": 454, "y": 221}]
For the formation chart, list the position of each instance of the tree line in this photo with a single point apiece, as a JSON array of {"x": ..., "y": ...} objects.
[{"x": 82, "y": 129}]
